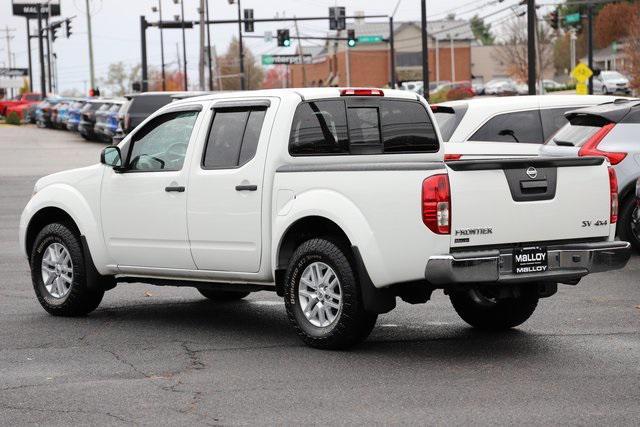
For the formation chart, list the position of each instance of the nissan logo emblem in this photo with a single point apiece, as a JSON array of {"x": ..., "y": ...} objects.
[{"x": 532, "y": 172}]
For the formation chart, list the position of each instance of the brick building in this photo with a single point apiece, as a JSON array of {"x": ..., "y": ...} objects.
[{"x": 368, "y": 64}]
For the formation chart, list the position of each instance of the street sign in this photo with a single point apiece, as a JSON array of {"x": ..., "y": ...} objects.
[
  {"x": 581, "y": 73},
  {"x": 30, "y": 7},
  {"x": 14, "y": 72},
  {"x": 582, "y": 89},
  {"x": 285, "y": 59},
  {"x": 268, "y": 36},
  {"x": 370, "y": 39},
  {"x": 572, "y": 18}
]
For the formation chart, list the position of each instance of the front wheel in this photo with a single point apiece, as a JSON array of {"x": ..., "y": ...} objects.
[
  {"x": 58, "y": 272},
  {"x": 322, "y": 297},
  {"x": 483, "y": 309}
]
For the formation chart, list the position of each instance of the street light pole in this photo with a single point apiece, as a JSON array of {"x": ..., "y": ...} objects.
[
  {"x": 164, "y": 79},
  {"x": 590, "y": 43},
  {"x": 531, "y": 45},
  {"x": 29, "y": 56},
  {"x": 92, "y": 79},
  {"x": 206, "y": 8},
  {"x": 43, "y": 83},
  {"x": 425, "y": 50},
  {"x": 240, "y": 50},
  {"x": 453, "y": 59},
  {"x": 184, "y": 48}
]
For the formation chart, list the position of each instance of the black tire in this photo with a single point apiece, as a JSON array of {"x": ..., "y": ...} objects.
[
  {"x": 480, "y": 310},
  {"x": 628, "y": 230},
  {"x": 79, "y": 300},
  {"x": 222, "y": 296},
  {"x": 352, "y": 323}
]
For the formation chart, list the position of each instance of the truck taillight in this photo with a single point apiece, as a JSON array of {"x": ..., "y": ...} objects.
[
  {"x": 613, "y": 191},
  {"x": 436, "y": 204},
  {"x": 590, "y": 148}
]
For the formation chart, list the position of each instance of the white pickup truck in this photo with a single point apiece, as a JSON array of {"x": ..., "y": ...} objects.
[{"x": 337, "y": 199}]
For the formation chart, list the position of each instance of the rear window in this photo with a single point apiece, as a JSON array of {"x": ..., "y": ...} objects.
[
  {"x": 519, "y": 126},
  {"x": 448, "y": 119},
  {"x": 148, "y": 103},
  {"x": 371, "y": 127}
]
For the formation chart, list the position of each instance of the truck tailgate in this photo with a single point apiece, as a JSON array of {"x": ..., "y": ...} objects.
[{"x": 509, "y": 201}]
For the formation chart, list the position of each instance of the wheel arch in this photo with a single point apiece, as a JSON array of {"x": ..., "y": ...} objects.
[{"x": 42, "y": 218}]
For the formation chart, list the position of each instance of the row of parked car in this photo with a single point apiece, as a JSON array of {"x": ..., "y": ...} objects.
[{"x": 99, "y": 119}]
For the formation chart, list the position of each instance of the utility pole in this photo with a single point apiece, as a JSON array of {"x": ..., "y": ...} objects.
[
  {"x": 29, "y": 56},
  {"x": 301, "y": 56},
  {"x": 240, "y": 50},
  {"x": 8, "y": 38},
  {"x": 590, "y": 43},
  {"x": 206, "y": 8},
  {"x": 425, "y": 49},
  {"x": 531, "y": 45},
  {"x": 453, "y": 58},
  {"x": 164, "y": 77},
  {"x": 201, "y": 56},
  {"x": 92, "y": 77},
  {"x": 43, "y": 84},
  {"x": 392, "y": 56},
  {"x": 184, "y": 48},
  {"x": 572, "y": 47}
]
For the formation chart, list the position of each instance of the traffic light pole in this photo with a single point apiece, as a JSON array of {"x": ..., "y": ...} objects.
[
  {"x": 531, "y": 45},
  {"x": 392, "y": 56},
  {"x": 144, "y": 84},
  {"x": 240, "y": 50},
  {"x": 29, "y": 56}
]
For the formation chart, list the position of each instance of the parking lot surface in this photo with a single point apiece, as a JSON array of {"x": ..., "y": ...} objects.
[{"x": 163, "y": 355}]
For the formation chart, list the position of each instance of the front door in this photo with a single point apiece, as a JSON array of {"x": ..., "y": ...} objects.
[
  {"x": 144, "y": 207},
  {"x": 225, "y": 189}
]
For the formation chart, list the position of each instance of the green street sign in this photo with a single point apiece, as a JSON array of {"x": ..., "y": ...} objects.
[
  {"x": 572, "y": 18},
  {"x": 286, "y": 59},
  {"x": 370, "y": 39}
]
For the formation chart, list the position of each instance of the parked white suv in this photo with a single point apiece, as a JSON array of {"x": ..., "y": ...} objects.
[{"x": 337, "y": 199}]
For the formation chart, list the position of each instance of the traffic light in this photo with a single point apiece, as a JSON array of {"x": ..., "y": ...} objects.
[
  {"x": 248, "y": 20},
  {"x": 554, "y": 20},
  {"x": 67, "y": 27},
  {"x": 94, "y": 92},
  {"x": 54, "y": 36},
  {"x": 351, "y": 38},
  {"x": 283, "y": 38},
  {"x": 337, "y": 19}
]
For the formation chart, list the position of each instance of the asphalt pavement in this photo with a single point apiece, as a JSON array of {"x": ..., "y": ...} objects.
[{"x": 165, "y": 355}]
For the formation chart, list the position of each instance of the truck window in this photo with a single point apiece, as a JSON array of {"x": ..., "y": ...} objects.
[
  {"x": 162, "y": 144},
  {"x": 233, "y": 138},
  {"x": 319, "y": 128},
  {"x": 553, "y": 119},
  {"x": 520, "y": 126},
  {"x": 406, "y": 127},
  {"x": 364, "y": 130}
]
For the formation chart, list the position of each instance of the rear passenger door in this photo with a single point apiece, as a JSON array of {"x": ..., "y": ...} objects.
[{"x": 224, "y": 200}]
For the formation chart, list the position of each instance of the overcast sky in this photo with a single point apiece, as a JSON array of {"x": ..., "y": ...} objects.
[{"x": 116, "y": 33}]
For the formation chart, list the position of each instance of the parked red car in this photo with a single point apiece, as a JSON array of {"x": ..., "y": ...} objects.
[
  {"x": 25, "y": 98},
  {"x": 19, "y": 109}
]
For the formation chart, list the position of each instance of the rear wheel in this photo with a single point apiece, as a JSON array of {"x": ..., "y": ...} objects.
[
  {"x": 322, "y": 297},
  {"x": 222, "y": 296},
  {"x": 482, "y": 308},
  {"x": 629, "y": 223},
  {"x": 58, "y": 272}
]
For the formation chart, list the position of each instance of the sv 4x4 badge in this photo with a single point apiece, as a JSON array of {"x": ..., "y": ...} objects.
[{"x": 596, "y": 223}]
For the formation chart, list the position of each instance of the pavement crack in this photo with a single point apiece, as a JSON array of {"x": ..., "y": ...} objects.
[{"x": 65, "y": 411}]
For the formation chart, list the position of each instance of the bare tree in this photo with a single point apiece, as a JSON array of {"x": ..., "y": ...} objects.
[
  {"x": 511, "y": 50},
  {"x": 632, "y": 54},
  {"x": 120, "y": 77}
]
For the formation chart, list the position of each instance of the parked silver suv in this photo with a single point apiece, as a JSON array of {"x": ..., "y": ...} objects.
[{"x": 611, "y": 130}]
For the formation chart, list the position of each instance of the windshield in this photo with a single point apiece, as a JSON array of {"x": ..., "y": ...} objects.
[
  {"x": 448, "y": 118},
  {"x": 611, "y": 75}
]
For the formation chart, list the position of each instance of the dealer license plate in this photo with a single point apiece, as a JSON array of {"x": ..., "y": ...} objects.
[{"x": 530, "y": 260}]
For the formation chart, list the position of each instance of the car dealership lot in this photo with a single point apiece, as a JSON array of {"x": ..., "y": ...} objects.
[{"x": 151, "y": 354}]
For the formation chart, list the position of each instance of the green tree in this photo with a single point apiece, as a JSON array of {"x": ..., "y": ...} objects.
[{"x": 481, "y": 31}]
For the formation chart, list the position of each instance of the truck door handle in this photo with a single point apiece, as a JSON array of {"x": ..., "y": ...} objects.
[
  {"x": 175, "y": 189},
  {"x": 246, "y": 187}
]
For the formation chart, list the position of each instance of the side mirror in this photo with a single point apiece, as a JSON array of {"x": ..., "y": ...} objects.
[{"x": 111, "y": 157}]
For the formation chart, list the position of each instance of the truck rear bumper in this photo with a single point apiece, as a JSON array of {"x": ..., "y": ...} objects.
[{"x": 566, "y": 264}]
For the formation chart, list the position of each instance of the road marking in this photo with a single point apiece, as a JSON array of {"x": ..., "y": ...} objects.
[{"x": 267, "y": 302}]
